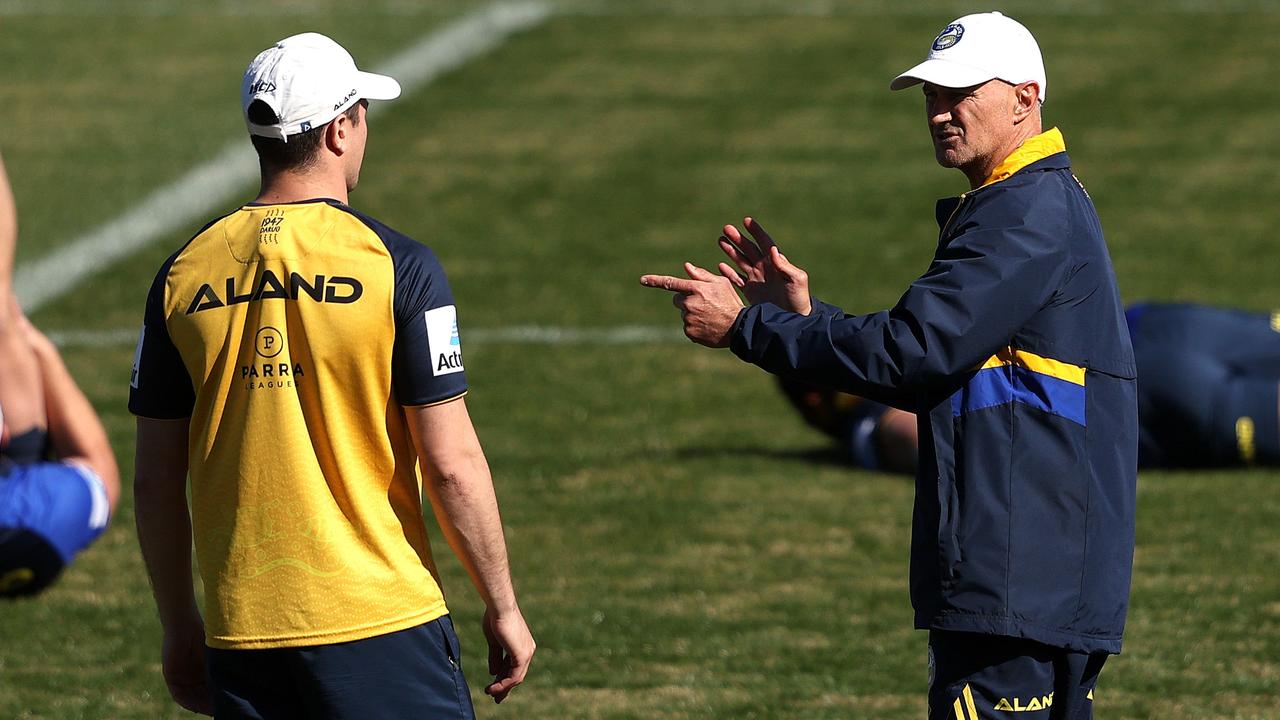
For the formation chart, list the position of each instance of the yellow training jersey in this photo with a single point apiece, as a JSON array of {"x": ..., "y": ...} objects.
[{"x": 291, "y": 335}]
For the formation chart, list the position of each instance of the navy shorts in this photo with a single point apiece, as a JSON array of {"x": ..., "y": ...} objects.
[
  {"x": 975, "y": 677},
  {"x": 413, "y": 673}
]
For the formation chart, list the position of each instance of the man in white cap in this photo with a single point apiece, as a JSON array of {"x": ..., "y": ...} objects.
[
  {"x": 1012, "y": 351},
  {"x": 301, "y": 361}
]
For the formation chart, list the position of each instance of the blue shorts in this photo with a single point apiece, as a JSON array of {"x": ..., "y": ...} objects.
[
  {"x": 413, "y": 673},
  {"x": 975, "y": 677},
  {"x": 49, "y": 512}
]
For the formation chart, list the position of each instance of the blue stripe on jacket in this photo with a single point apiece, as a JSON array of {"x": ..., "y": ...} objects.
[{"x": 996, "y": 386}]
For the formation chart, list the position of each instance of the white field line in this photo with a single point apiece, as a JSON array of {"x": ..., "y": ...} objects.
[
  {"x": 514, "y": 335},
  {"x": 179, "y": 206},
  {"x": 222, "y": 8}
]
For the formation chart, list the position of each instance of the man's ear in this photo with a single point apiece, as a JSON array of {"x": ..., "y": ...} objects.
[
  {"x": 336, "y": 134},
  {"x": 1026, "y": 99}
]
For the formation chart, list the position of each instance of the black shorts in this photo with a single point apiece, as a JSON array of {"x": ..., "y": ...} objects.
[
  {"x": 30, "y": 447},
  {"x": 975, "y": 677},
  {"x": 414, "y": 673},
  {"x": 28, "y": 562}
]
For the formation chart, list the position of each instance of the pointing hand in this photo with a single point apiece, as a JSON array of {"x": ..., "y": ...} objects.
[{"x": 708, "y": 303}]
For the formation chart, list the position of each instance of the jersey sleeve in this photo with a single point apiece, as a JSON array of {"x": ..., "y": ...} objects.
[
  {"x": 427, "y": 357},
  {"x": 159, "y": 386}
]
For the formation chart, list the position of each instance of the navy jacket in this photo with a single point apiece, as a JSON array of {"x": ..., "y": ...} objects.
[{"x": 1013, "y": 351}]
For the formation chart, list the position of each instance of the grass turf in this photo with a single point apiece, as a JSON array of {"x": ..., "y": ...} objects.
[{"x": 683, "y": 546}]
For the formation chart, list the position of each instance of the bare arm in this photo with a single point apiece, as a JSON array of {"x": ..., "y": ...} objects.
[
  {"x": 75, "y": 432},
  {"x": 8, "y": 232},
  {"x": 164, "y": 534},
  {"x": 460, "y": 487},
  {"x": 20, "y": 396}
]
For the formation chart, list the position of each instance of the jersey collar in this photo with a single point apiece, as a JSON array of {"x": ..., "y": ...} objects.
[
  {"x": 1036, "y": 148},
  {"x": 307, "y": 201}
]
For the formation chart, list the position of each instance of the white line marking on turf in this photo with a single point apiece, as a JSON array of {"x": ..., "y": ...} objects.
[
  {"x": 541, "y": 335},
  {"x": 93, "y": 338},
  {"x": 209, "y": 187},
  {"x": 514, "y": 335},
  {"x": 217, "y": 8}
]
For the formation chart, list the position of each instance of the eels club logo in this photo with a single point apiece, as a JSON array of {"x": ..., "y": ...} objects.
[{"x": 949, "y": 36}]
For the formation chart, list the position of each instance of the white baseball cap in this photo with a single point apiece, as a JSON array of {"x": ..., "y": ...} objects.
[
  {"x": 307, "y": 80},
  {"x": 977, "y": 48}
]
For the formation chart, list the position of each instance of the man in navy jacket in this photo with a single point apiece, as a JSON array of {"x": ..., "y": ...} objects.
[{"x": 1013, "y": 352}]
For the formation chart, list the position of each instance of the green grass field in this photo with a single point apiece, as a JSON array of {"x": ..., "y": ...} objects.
[{"x": 684, "y": 546}]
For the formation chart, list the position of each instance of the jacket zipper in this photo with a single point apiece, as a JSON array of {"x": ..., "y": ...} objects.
[
  {"x": 956, "y": 211},
  {"x": 949, "y": 556}
]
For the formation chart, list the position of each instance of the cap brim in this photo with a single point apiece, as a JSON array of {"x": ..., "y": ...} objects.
[
  {"x": 945, "y": 73},
  {"x": 378, "y": 87}
]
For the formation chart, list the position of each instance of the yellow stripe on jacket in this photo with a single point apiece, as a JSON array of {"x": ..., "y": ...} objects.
[{"x": 1036, "y": 363}]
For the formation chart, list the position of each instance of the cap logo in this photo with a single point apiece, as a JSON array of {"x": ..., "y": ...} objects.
[
  {"x": 338, "y": 105},
  {"x": 949, "y": 36},
  {"x": 262, "y": 86},
  {"x": 306, "y": 125}
]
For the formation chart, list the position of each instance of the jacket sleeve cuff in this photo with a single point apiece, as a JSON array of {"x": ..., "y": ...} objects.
[
  {"x": 757, "y": 328},
  {"x": 737, "y": 342}
]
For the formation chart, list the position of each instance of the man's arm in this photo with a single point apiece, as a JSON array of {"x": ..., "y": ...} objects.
[
  {"x": 8, "y": 232},
  {"x": 20, "y": 396},
  {"x": 712, "y": 313},
  {"x": 458, "y": 483},
  {"x": 164, "y": 534},
  {"x": 981, "y": 287},
  {"x": 75, "y": 432}
]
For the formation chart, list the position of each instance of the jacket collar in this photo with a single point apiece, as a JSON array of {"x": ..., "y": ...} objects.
[
  {"x": 1045, "y": 151},
  {"x": 1047, "y": 143}
]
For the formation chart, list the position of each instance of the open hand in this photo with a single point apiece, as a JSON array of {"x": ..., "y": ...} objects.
[
  {"x": 511, "y": 648},
  {"x": 766, "y": 274}
]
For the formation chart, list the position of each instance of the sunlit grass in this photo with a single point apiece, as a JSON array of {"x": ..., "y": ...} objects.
[{"x": 684, "y": 547}]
